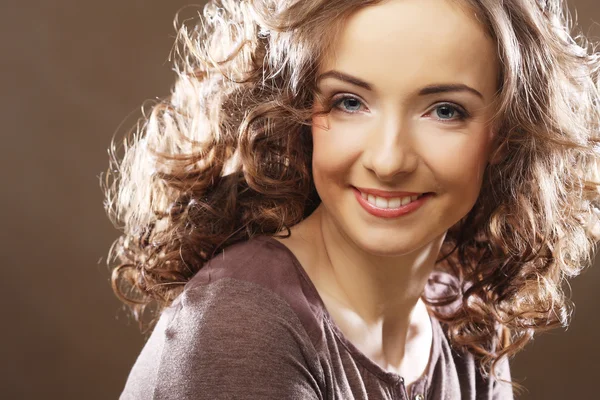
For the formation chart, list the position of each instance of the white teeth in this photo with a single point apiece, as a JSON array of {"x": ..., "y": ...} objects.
[
  {"x": 381, "y": 202},
  {"x": 395, "y": 203}
]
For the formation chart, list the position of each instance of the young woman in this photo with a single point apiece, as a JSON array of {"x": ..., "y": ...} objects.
[{"x": 347, "y": 199}]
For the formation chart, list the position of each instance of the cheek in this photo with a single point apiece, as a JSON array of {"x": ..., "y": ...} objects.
[
  {"x": 459, "y": 165},
  {"x": 334, "y": 153}
]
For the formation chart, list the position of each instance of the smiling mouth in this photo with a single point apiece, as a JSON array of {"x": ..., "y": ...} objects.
[
  {"x": 385, "y": 201},
  {"x": 390, "y": 207},
  {"x": 391, "y": 202}
]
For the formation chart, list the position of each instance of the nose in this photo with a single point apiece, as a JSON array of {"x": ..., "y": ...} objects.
[{"x": 389, "y": 151}]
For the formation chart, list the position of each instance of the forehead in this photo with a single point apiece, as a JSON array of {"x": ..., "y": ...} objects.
[{"x": 400, "y": 42}]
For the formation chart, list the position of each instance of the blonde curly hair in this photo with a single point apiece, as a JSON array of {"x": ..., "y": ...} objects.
[{"x": 227, "y": 156}]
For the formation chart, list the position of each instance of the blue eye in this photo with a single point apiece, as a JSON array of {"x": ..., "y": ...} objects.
[
  {"x": 446, "y": 112},
  {"x": 351, "y": 104}
]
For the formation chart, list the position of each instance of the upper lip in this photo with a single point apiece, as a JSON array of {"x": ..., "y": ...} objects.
[{"x": 387, "y": 194}]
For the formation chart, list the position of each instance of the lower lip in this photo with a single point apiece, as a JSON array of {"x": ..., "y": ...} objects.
[{"x": 390, "y": 212}]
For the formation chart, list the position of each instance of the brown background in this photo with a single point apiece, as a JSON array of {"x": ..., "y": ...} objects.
[{"x": 72, "y": 72}]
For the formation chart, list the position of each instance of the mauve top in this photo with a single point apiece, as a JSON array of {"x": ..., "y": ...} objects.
[{"x": 251, "y": 325}]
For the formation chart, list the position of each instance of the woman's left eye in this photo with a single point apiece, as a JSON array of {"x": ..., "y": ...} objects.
[
  {"x": 450, "y": 112},
  {"x": 352, "y": 102}
]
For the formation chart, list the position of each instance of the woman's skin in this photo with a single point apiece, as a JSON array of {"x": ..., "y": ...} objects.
[{"x": 370, "y": 271}]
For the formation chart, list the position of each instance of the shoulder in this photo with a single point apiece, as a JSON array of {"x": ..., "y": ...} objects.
[
  {"x": 260, "y": 260},
  {"x": 227, "y": 332},
  {"x": 236, "y": 314},
  {"x": 249, "y": 286},
  {"x": 263, "y": 262}
]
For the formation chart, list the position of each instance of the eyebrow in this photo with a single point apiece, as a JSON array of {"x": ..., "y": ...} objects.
[{"x": 427, "y": 90}]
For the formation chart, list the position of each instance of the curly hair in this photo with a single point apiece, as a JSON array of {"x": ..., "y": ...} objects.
[{"x": 227, "y": 156}]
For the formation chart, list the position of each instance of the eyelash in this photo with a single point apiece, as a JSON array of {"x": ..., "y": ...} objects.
[{"x": 462, "y": 113}]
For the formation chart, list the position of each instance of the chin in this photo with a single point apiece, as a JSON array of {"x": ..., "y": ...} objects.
[{"x": 384, "y": 245}]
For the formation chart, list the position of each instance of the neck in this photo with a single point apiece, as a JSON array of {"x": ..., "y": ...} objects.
[
  {"x": 377, "y": 288},
  {"x": 374, "y": 300}
]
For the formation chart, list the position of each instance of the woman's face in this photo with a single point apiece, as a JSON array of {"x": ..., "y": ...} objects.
[{"x": 418, "y": 122}]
